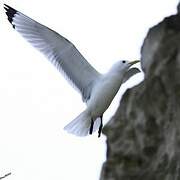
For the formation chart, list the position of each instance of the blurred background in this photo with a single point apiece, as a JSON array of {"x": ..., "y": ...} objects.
[{"x": 36, "y": 102}]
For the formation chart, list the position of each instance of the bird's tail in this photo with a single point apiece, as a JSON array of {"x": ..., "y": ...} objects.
[{"x": 80, "y": 126}]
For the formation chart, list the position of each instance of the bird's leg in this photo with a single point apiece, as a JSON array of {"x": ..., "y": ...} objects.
[
  {"x": 91, "y": 127},
  {"x": 101, "y": 126}
]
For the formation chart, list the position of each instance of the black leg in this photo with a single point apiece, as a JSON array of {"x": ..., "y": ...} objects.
[
  {"x": 91, "y": 127},
  {"x": 100, "y": 127}
]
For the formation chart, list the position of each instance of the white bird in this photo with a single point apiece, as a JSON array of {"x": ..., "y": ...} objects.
[{"x": 97, "y": 90}]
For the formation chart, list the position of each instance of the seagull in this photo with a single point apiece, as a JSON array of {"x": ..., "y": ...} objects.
[{"x": 97, "y": 90}]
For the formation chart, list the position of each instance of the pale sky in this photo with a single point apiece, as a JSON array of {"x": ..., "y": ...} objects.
[{"x": 35, "y": 100}]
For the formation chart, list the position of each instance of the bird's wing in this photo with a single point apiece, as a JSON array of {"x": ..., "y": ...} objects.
[
  {"x": 129, "y": 73},
  {"x": 61, "y": 52}
]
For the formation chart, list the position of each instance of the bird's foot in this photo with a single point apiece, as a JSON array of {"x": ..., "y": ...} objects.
[
  {"x": 91, "y": 127},
  {"x": 100, "y": 127}
]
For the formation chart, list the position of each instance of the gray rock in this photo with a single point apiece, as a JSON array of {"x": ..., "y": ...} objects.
[{"x": 143, "y": 137}]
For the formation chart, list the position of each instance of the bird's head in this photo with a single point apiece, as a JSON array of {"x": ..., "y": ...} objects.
[{"x": 123, "y": 65}]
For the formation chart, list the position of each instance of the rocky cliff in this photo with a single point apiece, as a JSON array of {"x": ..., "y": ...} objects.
[{"x": 143, "y": 137}]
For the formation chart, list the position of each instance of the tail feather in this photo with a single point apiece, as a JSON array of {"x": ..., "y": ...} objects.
[{"x": 80, "y": 125}]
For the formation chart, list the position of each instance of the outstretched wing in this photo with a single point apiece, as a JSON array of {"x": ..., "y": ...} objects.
[
  {"x": 61, "y": 52},
  {"x": 131, "y": 72}
]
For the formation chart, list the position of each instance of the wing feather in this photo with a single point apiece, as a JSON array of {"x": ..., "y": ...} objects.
[
  {"x": 60, "y": 51},
  {"x": 130, "y": 73}
]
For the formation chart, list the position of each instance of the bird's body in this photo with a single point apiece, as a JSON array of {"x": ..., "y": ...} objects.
[
  {"x": 103, "y": 93},
  {"x": 97, "y": 90}
]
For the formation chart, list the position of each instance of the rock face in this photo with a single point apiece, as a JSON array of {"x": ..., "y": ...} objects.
[{"x": 143, "y": 137}]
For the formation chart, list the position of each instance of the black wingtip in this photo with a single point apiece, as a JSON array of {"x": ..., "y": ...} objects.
[{"x": 10, "y": 12}]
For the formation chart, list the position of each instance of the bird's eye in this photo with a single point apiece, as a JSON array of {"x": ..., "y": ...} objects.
[{"x": 123, "y": 61}]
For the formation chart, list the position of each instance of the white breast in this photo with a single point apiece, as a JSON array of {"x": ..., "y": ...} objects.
[{"x": 103, "y": 94}]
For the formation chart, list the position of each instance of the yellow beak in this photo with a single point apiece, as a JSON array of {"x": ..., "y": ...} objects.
[{"x": 133, "y": 62}]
